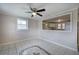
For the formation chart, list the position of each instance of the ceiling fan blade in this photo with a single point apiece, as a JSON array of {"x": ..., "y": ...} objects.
[
  {"x": 40, "y": 10},
  {"x": 39, "y": 14},
  {"x": 31, "y": 8},
  {"x": 28, "y": 12}
]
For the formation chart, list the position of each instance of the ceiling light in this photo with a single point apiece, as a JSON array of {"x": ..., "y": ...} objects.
[{"x": 34, "y": 13}]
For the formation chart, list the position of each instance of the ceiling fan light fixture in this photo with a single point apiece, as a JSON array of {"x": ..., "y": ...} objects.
[{"x": 34, "y": 14}]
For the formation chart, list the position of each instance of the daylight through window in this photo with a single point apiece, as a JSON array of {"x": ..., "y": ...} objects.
[{"x": 22, "y": 24}]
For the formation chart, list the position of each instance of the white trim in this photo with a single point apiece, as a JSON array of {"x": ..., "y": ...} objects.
[{"x": 45, "y": 39}]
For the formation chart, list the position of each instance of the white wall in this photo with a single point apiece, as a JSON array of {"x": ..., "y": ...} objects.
[
  {"x": 8, "y": 29},
  {"x": 66, "y": 39}
]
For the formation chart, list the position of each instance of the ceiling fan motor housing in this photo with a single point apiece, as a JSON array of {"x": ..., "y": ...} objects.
[{"x": 34, "y": 9}]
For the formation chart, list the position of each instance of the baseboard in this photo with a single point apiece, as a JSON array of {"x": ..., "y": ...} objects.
[{"x": 45, "y": 39}]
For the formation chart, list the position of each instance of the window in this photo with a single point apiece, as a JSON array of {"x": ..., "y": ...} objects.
[
  {"x": 61, "y": 26},
  {"x": 22, "y": 24}
]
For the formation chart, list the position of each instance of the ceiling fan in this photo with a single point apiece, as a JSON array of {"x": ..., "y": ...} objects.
[{"x": 35, "y": 12}]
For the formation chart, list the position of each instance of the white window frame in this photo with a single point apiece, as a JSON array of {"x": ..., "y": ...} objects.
[
  {"x": 19, "y": 25},
  {"x": 61, "y": 26}
]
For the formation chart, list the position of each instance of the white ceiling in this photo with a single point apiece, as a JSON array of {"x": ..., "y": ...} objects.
[{"x": 18, "y": 9}]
